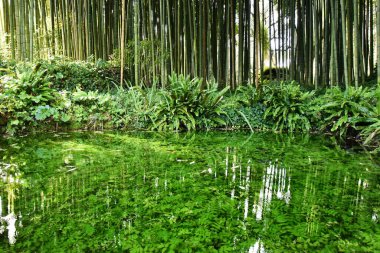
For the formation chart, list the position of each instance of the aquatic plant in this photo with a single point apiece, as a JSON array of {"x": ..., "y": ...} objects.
[{"x": 202, "y": 192}]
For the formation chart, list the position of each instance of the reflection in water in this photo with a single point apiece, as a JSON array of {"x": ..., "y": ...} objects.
[
  {"x": 11, "y": 181},
  {"x": 247, "y": 182},
  {"x": 375, "y": 217},
  {"x": 10, "y": 219},
  {"x": 258, "y": 247},
  {"x": 124, "y": 200},
  {"x": 275, "y": 182}
]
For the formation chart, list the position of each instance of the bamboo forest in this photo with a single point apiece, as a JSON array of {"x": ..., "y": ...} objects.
[{"x": 189, "y": 126}]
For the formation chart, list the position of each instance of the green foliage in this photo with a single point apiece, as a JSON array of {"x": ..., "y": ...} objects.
[
  {"x": 246, "y": 117},
  {"x": 149, "y": 192},
  {"x": 245, "y": 110},
  {"x": 123, "y": 108},
  {"x": 186, "y": 105},
  {"x": 371, "y": 133},
  {"x": 7, "y": 67},
  {"x": 148, "y": 59},
  {"x": 90, "y": 109},
  {"x": 131, "y": 106},
  {"x": 247, "y": 96},
  {"x": 210, "y": 106},
  {"x": 90, "y": 75},
  {"x": 340, "y": 111},
  {"x": 45, "y": 111},
  {"x": 27, "y": 97},
  {"x": 287, "y": 106},
  {"x": 30, "y": 96}
]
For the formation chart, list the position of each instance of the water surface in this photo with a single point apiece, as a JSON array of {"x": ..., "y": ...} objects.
[{"x": 229, "y": 192}]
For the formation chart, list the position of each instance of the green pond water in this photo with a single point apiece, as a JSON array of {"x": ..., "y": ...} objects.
[{"x": 209, "y": 192}]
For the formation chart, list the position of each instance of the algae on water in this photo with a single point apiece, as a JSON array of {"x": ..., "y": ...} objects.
[{"x": 199, "y": 192}]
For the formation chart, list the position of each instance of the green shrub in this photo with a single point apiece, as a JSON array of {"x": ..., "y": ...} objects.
[
  {"x": 339, "y": 112},
  {"x": 89, "y": 75},
  {"x": 90, "y": 109},
  {"x": 245, "y": 109},
  {"x": 27, "y": 97},
  {"x": 287, "y": 106},
  {"x": 128, "y": 107},
  {"x": 244, "y": 117},
  {"x": 185, "y": 105},
  {"x": 370, "y": 134},
  {"x": 132, "y": 106}
]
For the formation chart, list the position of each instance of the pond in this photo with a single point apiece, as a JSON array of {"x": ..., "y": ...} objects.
[{"x": 203, "y": 192}]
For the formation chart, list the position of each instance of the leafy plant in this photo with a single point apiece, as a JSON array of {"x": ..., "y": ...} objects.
[
  {"x": 210, "y": 107},
  {"x": 243, "y": 117},
  {"x": 45, "y": 111},
  {"x": 25, "y": 93},
  {"x": 247, "y": 95},
  {"x": 287, "y": 106},
  {"x": 91, "y": 108},
  {"x": 186, "y": 105},
  {"x": 371, "y": 132},
  {"x": 131, "y": 106},
  {"x": 244, "y": 109},
  {"x": 340, "y": 111},
  {"x": 90, "y": 74}
]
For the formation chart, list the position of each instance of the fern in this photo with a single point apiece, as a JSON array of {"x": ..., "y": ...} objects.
[
  {"x": 340, "y": 112},
  {"x": 287, "y": 106},
  {"x": 186, "y": 106}
]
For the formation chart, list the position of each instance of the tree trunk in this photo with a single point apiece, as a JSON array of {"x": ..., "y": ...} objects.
[
  {"x": 122, "y": 42},
  {"x": 378, "y": 39},
  {"x": 343, "y": 13},
  {"x": 356, "y": 45}
]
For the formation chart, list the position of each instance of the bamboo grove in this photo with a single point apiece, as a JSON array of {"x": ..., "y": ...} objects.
[{"x": 316, "y": 42}]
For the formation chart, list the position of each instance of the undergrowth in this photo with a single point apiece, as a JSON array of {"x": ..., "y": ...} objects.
[{"x": 51, "y": 94}]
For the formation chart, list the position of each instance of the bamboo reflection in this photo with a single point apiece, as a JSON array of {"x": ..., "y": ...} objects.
[
  {"x": 10, "y": 182},
  {"x": 275, "y": 183},
  {"x": 256, "y": 188},
  {"x": 258, "y": 247}
]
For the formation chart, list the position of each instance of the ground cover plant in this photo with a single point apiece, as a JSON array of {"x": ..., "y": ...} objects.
[{"x": 245, "y": 109}]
